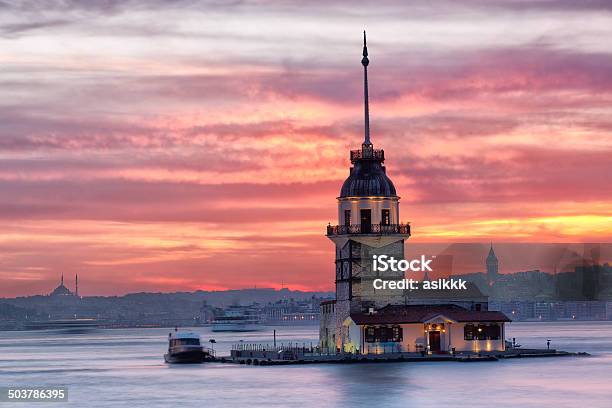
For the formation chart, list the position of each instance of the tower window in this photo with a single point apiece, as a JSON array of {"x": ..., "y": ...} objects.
[
  {"x": 366, "y": 221},
  {"x": 347, "y": 217},
  {"x": 385, "y": 217}
]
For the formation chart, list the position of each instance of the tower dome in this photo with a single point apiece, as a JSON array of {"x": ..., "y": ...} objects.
[{"x": 368, "y": 177}]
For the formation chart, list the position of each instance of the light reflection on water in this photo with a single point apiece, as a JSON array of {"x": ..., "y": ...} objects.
[{"x": 118, "y": 368}]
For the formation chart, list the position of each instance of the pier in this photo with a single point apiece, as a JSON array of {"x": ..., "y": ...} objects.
[{"x": 295, "y": 353}]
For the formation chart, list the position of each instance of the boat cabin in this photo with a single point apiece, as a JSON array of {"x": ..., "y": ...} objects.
[{"x": 178, "y": 339}]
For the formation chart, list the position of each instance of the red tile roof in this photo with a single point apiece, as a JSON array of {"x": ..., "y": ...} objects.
[{"x": 396, "y": 314}]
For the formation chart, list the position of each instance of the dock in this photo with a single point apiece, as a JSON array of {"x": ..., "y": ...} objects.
[{"x": 262, "y": 355}]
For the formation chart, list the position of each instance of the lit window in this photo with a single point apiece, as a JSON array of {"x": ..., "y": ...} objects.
[
  {"x": 482, "y": 331},
  {"x": 385, "y": 217}
]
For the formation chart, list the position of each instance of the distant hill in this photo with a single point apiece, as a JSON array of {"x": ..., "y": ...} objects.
[
  {"x": 138, "y": 309},
  {"x": 223, "y": 298}
]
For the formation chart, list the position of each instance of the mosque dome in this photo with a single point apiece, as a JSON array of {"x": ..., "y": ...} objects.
[{"x": 61, "y": 290}]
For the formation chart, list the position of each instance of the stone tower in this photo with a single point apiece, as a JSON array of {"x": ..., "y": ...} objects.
[
  {"x": 492, "y": 266},
  {"x": 368, "y": 224}
]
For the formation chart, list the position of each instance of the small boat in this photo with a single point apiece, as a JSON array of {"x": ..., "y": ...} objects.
[
  {"x": 185, "y": 348},
  {"x": 237, "y": 319}
]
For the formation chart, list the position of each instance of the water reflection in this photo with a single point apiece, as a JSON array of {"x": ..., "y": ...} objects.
[{"x": 118, "y": 368}]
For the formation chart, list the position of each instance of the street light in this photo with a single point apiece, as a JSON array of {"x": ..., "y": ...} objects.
[{"x": 212, "y": 345}]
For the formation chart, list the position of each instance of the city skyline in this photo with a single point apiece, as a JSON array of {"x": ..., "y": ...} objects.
[{"x": 164, "y": 154}]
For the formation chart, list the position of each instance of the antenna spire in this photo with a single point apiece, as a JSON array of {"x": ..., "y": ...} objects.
[{"x": 365, "y": 61}]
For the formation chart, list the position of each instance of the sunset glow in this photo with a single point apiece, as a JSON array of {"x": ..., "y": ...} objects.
[{"x": 203, "y": 147}]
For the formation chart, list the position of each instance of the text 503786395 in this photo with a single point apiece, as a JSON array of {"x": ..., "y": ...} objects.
[{"x": 26, "y": 393}]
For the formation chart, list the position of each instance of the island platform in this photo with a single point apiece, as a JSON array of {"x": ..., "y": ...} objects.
[{"x": 262, "y": 355}]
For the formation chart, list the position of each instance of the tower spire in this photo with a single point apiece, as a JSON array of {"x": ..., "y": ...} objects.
[
  {"x": 365, "y": 61},
  {"x": 62, "y": 282}
]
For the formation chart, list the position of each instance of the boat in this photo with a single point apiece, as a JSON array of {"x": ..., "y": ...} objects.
[
  {"x": 237, "y": 319},
  {"x": 66, "y": 326},
  {"x": 186, "y": 348}
]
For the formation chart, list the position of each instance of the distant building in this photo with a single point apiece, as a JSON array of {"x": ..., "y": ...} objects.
[
  {"x": 292, "y": 311},
  {"x": 492, "y": 266},
  {"x": 62, "y": 290},
  {"x": 543, "y": 310}
]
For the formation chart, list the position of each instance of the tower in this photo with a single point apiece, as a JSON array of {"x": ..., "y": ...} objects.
[
  {"x": 368, "y": 224},
  {"x": 492, "y": 266},
  {"x": 76, "y": 284}
]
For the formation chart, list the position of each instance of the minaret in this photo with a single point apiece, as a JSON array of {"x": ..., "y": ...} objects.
[
  {"x": 368, "y": 224},
  {"x": 492, "y": 266},
  {"x": 76, "y": 284}
]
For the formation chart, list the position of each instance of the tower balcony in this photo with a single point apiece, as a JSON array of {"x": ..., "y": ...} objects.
[
  {"x": 371, "y": 229},
  {"x": 367, "y": 153}
]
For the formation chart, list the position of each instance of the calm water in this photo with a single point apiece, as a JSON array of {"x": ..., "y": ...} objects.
[{"x": 124, "y": 368}]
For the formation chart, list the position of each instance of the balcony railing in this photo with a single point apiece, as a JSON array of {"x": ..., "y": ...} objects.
[
  {"x": 367, "y": 154},
  {"x": 376, "y": 229}
]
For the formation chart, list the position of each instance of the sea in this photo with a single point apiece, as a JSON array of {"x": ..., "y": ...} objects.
[{"x": 125, "y": 368}]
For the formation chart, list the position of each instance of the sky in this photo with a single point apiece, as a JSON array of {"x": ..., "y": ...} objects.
[{"x": 183, "y": 145}]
